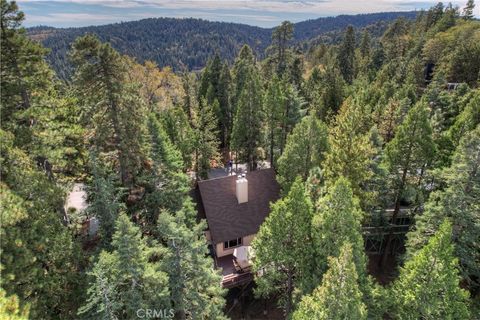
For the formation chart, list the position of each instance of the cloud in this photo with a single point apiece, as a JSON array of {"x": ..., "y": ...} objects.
[{"x": 258, "y": 12}]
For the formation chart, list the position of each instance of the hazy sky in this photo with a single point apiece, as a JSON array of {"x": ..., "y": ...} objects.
[{"x": 265, "y": 13}]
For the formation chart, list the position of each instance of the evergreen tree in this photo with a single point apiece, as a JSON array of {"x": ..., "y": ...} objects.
[
  {"x": 338, "y": 220},
  {"x": 206, "y": 138},
  {"x": 281, "y": 35},
  {"x": 225, "y": 106},
  {"x": 40, "y": 260},
  {"x": 295, "y": 72},
  {"x": 210, "y": 78},
  {"x": 350, "y": 149},
  {"x": 346, "y": 55},
  {"x": 468, "y": 10},
  {"x": 103, "y": 294},
  {"x": 467, "y": 120},
  {"x": 189, "y": 100},
  {"x": 428, "y": 286},
  {"x": 282, "y": 247},
  {"x": 329, "y": 92},
  {"x": 249, "y": 117},
  {"x": 163, "y": 152},
  {"x": 364, "y": 56},
  {"x": 339, "y": 296},
  {"x": 291, "y": 112},
  {"x": 241, "y": 72},
  {"x": 395, "y": 42},
  {"x": 111, "y": 107},
  {"x": 306, "y": 147},
  {"x": 104, "y": 202},
  {"x": 167, "y": 185},
  {"x": 180, "y": 131},
  {"x": 273, "y": 102},
  {"x": 215, "y": 84},
  {"x": 43, "y": 121},
  {"x": 126, "y": 279},
  {"x": 458, "y": 201},
  {"x": 194, "y": 285},
  {"x": 407, "y": 157},
  {"x": 365, "y": 45},
  {"x": 25, "y": 75}
]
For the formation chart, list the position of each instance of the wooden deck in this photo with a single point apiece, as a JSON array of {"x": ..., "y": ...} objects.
[{"x": 231, "y": 277}]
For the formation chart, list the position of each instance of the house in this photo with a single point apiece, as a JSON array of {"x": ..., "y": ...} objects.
[{"x": 234, "y": 208}]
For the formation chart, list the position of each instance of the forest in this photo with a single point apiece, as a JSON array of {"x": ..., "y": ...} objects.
[
  {"x": 190, "y": 43},
  {"x": 354, "y": 128}
]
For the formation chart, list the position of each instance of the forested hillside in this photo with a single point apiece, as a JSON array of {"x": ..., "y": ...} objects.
[
  {"x": 375, "y": 142},
  {"x": 189, "y": 43}
]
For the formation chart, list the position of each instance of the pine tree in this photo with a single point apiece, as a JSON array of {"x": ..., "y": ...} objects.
[
  {"x": 295, "y": 72},
  {"x": 364, "y": 56},
  {"x": 458, "y": 201},
  {"x": 104, "y": 202},
  {"x": 206, "y": 137},
  {"x": 338, "y": 220},
  {"x": 466, "y": 121},
  {"x": 39, "y": 257},
  {"x": 249, "y": 117},
  {"x": 346, "y": 55},
  {"x": 291, "y": 112},
  {"x": 163, "y": 152},
  {"x": 215, "y": 84},
  {"x": 350, "y": 149},
  {"x": 329, "y": 92},
  {"x": 111, "y": 107},
  {"x": 167, "y": 185},
  {"x": 395, "y": 42},
  {"x": 125, "y": 280},
  {"x": 281, "y": 35},
  {"x": 428, "y": 286},
  {"x": 283, "y": 253},
  {"x": 273, "y": 102},
  {"x": 225, "y": 105},
  {"x": 468, "y": 10},
  {"x": 365, "y": 45},
  {"x": 339, "y": 296},
  {"x": 103, "y": 294},
  {"x": 180, "y": 131},
  {"x": 407, "y": 157},
  {"x": 241, "y": 72},
  {"x": 25, "y": 75},
  {"x": 189, "y": 100},
  {"x": 194, "y": 285},
  {"x": 306, "y": 147}
]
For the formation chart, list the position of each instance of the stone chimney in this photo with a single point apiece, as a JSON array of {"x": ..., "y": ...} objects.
[{"x": 242, "y": 188}]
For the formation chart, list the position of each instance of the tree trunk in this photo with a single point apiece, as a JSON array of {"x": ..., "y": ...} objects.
[
  {"x": 118, "y": 141},
  {"x": 396, "y": 210},
  {"x": 271, "y": 148},
  {"x": 180, "y": 312},
  {"x": 288, "y": 304}
]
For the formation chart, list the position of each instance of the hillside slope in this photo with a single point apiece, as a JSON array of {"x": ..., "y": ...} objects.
[{"x": 189, "y": 42}]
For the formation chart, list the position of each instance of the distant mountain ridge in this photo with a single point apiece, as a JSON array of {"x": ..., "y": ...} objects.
[{"x": 188, "y": 43}]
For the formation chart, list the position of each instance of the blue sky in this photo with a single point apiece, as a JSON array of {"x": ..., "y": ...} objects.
[{"x": 264, "y": 13}]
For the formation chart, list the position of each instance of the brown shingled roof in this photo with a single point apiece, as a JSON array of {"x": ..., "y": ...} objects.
[{"x": 226, "y": 218}]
